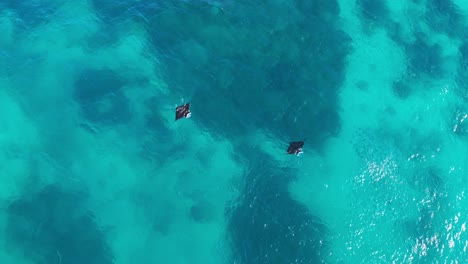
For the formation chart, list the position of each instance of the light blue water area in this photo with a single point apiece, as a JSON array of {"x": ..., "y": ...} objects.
[{"x": 94, "y": 168}]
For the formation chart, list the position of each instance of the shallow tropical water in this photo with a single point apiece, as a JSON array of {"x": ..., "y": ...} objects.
[{"x": 94, "y": 169}]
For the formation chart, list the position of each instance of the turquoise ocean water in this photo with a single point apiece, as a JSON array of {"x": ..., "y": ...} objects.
[{"x": 94, "y": 169}]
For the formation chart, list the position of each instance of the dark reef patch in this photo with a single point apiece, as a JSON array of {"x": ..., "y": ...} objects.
[
  {"x": 92, "y": 85},
  {"x": 54, "y": 226},
  {"x": 253, "y": 62},
  {"x": 424, "y": 58},
  {"x": 116, "y": 11},
  {"x": 464, "y": 56},
  {"x": 283, "y": 76},
  {"x": 444, "y": 17},
  {"x": 373, "y": 12},
  {"x": 462, "y": 75},
  {"x": 31, "y": 13},
  {"x": 362, "y": 85},
  {"x": 279, "y": 73},
  {"x": 237, "y": 57},
  {"x": 267, "y": 225},
  {"x": 201, "y": 211},
  {"x": 248, "y": 66},
  {"x": 401, "y": 89},
  {"x": 100, "y": 96}
]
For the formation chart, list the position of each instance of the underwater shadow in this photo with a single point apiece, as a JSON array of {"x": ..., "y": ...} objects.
[
  {"x": 54, "y": 226},
  {"x": 31, "y": 13},
  {"x": 266, "y": 225},
  {"x": 100, "y": 96}
]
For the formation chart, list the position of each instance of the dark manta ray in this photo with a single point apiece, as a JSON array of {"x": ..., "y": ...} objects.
[
  {"x": 183, "y": 111},
  {"x": 295, "y": 147}
]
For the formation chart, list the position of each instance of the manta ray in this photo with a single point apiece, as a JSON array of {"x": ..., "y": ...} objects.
[
  {"x": 295, "y": 148},
  {"x": 183, "y": 111}
]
